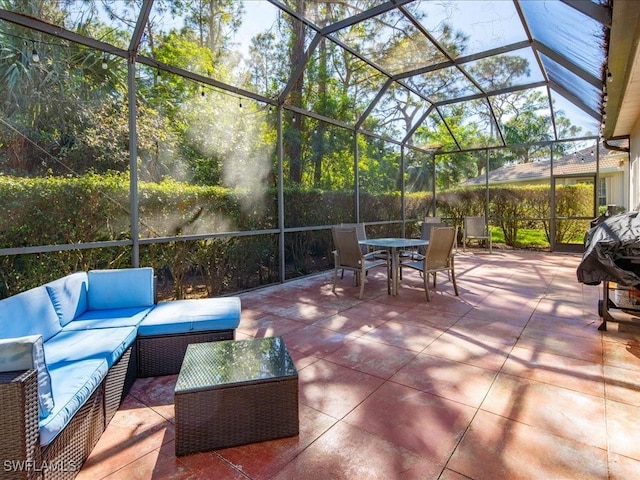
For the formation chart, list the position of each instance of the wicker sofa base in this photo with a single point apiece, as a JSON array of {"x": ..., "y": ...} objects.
[
  {"x": 64, "y": 456},
  {"x": 20, "y": 444},
  {"x": 163, "y": 354},
  {"x": 119, "y": 381}
]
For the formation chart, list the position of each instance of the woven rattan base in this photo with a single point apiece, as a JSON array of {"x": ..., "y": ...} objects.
[
  {"x": 162, "y": 354},
  {"x": 218, "y": 410},
  {"x": 20, "y": 441},
  {"x": 68, "y": 451},
  {"x": 118, "y": 382}
]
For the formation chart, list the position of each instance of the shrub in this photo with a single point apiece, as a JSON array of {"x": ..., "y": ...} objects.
[{"x": 95, "y": 208}]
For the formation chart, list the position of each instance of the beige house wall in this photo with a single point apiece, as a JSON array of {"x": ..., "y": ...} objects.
[
  {"x": 615, "y": 186},
  {"x": 616, "y": 190}
]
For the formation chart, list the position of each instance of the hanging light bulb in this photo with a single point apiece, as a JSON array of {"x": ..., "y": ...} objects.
[
  {"x": 35, "y": 58},
  {"x": 105, "y": 65},
  {"x": 240, "y": 100}
]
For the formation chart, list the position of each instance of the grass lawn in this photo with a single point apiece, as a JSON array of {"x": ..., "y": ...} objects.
[
  {"x": 531, "y": 238},
  {"x": 527, "y": 238}
]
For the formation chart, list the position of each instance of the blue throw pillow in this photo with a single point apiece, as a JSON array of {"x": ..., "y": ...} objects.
[{"x": 25, "y": 353}]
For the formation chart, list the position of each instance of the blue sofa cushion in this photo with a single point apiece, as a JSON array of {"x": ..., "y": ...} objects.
[
  {"x": 69, "y": 296},
  {"x": 196, "y": 315},
  {"x": 116, "y": 317},
  {"x": 29, "y": 313},
  {"x": 25, "y": 353},
  {"x": 120, "y": 288},
  {"x": 73, "y": 383},
  {"x": 103, "y": 344}
]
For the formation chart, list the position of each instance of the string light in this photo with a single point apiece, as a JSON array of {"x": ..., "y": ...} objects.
[
  {"x": 240, "y": 100},
  {"x": 35, "y": 58},
  {"x": 105, "y": 65}
]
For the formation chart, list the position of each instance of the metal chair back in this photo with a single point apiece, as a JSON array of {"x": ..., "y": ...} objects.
[
  {"x": 440, "y": 249},
  {"x": 348, "y": 251},
  {"x": 475, "y": 228}
]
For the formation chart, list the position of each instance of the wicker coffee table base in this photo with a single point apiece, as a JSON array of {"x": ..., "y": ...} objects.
[{"x": 221, "y": 415}]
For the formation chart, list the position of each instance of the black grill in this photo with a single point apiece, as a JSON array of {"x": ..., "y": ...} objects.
[{"x": 612, "y": 252}]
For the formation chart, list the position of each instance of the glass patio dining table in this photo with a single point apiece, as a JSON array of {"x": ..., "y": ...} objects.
[{"x": 394, "y": 245}]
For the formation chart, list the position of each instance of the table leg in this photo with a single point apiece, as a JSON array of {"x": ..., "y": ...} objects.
[{"x": 394, "y": 271}]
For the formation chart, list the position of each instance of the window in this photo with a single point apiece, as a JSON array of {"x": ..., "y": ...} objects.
[{"x": 602, "y": 192}]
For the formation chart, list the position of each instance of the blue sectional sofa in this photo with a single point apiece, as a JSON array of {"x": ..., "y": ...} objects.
[{"x": 71, "y": 349}]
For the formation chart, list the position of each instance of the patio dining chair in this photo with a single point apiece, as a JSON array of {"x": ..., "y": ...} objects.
[
  {"x": 475, "y": 228},
  {"x": 368, "y": 252},
  {"x": 425, "y": 234},
  {"x": 438, "y": 257},
  {"x": 348, "y": 256}
]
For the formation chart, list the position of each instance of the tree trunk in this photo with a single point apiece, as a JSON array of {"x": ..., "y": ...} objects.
[
  {"x": 293, "y": 145},
  {"x": 322, "y": 92}
]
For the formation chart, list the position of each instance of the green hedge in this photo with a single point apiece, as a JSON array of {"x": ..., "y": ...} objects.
[
  {"x": 61, "y": 211},
  {"x": 57, "y": 211},
  {"x": 514, "y": 207}
]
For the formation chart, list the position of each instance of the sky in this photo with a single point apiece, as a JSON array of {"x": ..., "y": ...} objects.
[{"x": 487, "y": 24}]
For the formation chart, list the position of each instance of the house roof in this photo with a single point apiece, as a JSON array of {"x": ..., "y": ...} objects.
[
  {"x": 580, "y": 162},
  {"x": 622, "y": 88}
]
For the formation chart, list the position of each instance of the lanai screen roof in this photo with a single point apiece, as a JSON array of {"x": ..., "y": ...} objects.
[{"x": 406, "y": 68}]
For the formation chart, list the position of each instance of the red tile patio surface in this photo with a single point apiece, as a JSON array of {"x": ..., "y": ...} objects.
[{"x": 510, "y": 380}]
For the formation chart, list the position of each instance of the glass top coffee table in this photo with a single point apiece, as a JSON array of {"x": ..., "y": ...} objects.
[{"x": 232, "y": 392}]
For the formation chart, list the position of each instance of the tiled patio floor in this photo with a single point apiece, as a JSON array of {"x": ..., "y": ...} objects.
[{"x": 511, "y": 380}]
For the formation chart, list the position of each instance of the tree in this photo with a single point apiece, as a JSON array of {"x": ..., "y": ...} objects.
[
  {"x": 520, "y": 114},
  {"x": 265, "y": 74},
  {"x": 293, "y": 140},
  {"x": 454, "y": 167},
  {"x": 214, "y": 21},
  {"x": 51, "y": 99}
]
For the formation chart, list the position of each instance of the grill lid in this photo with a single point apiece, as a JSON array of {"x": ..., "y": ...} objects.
[{"x": 612, "y": 251}]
